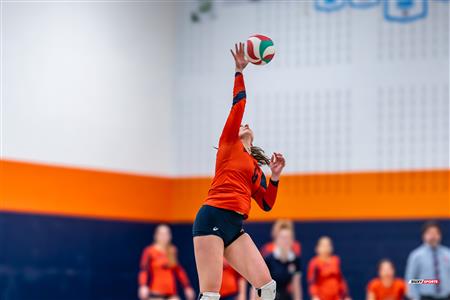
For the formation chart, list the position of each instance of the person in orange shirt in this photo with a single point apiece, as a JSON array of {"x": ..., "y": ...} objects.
[
  {"x": 159, "y": 269},
  {"x": 217, "y": 230},
  {"x": 234, "y": 286},
  {"x": 325, "y": 278},
  {"x": 386, "y": 286},
  {"x": 268, "y": 248}
]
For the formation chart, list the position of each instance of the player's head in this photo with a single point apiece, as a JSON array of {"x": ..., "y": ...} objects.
[
  {"x": 386, "y": 269},
  {"x": 279, "y": 224},
  {"x": 246, "y": 133},
  {"x": 284, "y": 238},
  {"x": 163, "y": 235},
  {"x": 324, "y": 246},
  {"x": 431, "y": 233}
]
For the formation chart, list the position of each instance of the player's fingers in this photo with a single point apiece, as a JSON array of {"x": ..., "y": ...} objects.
[
  {"x": 232, "y": 53},
  {"x": 236, "y": 48}
]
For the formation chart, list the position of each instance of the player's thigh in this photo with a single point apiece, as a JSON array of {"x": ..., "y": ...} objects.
[
  {"x": 245, "y": 258},
  {"x": 209, "y": 260}
]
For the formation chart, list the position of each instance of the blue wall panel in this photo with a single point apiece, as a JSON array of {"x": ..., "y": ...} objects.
[{"x": 57, "y": 258}]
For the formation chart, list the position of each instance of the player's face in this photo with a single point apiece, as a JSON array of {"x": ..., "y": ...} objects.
[
  {"x": 324, "y": 247},
  {"x": 284, "y": 239},
  {"x": 163, "y": 235},
  {"x": 245, "y": 131},
  {"x": 386, "y": 270},
  {"x": 432, "y": 236}
]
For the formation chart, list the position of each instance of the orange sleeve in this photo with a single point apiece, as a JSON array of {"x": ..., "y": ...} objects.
[
  {"x": 265, "y": 196},
  {"x": 371, "y": 286},
  {"x": 402, "y": 285},
  {"x": 143, "y": 277},
  {"x": 312, "y": 277},
  {"x": 230, "y": 131},
  {"x": 182, "y": 276},
  {"x": 343, "y": 288}
]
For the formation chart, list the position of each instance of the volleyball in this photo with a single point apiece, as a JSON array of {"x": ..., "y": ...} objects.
[{"x": 259, "y": 49}]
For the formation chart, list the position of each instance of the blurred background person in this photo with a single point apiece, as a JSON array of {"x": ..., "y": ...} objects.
[
  {"x": 431, "y": 260},
  {"x": 386, "y": 286},
  {"x": 325, "y": 278},
  {"x": 160, "y": 270},
  {"x": 234, "y": 286},
  {"x": 267, "y": 248},
  {"x": 284, "y": 264}
]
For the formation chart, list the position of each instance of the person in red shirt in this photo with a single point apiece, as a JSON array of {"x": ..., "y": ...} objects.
[
  {"x": 234, "y": 286},
  {"x": 159, "y": 269},
  {"x": 325, "y": 278},
  {"x": 217, "y": 229},
  {"x": 386, "y": 286}
]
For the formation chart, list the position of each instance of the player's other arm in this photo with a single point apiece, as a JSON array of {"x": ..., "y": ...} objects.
[
  {"x": 313, "y": 278},
  {"x": 266, "y": 195},
  {"x": 230, "y": 131},
  {"x": 143, "y": 276}
]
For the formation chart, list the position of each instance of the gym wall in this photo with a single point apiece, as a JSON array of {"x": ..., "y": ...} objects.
[{"x": 110, "y": 112}]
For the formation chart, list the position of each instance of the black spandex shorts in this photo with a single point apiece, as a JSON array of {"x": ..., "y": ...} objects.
[{"x": 224, "y": 223}]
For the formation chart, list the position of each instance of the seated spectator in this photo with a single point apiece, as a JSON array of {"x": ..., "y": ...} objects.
[
  {"x": 160, "y": 269},
  {"x": 386, "y": 286},
  {"x": 325, "y": 278}
]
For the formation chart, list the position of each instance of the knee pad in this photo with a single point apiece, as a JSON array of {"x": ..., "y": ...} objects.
[
  {"x": 267, "y": 291},
  {"x": 209, "y": 296}
]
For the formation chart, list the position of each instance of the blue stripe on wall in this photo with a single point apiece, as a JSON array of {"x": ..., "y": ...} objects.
[{"x": 56, "y": 258}]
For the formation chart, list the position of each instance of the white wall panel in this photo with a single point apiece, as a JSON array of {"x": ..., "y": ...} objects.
[{"x": 89, "y": 84}]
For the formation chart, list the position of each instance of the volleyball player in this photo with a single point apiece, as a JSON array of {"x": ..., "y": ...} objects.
[
  {"x": 238, "y": 177},
  {"x": 325, "y": 278},
  {"x": 386, "y": 286},
  {"x": 160, "y": 269}
]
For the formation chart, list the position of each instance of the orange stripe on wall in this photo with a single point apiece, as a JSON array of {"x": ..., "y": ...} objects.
[{"x": 35, "y": 188}]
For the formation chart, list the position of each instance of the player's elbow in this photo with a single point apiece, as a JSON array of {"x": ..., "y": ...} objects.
[{"x": 266, "y": 206}]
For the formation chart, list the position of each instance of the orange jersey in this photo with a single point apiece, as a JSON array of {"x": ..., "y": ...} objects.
[
  {"x": 268, "y": 248},
  {"x": 325, "y": 279},
  {"x": 158, "y": 274},
  {"x": 238, "y": 177},
  {"x": 230, "y": 281},
  {"x": 395, "y": 292}
]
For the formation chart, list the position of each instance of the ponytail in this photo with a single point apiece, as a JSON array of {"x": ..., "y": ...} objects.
[{"x": 259, "y": 155}]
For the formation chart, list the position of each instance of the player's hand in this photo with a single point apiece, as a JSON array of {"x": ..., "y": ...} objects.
[
  {"x": 315, "y": 298},
  {"x": 189, "y": 293},
  {"x": 143, "y": 292},
  {"x": 347, "y": 298},
  {"x": 239, "y": 57},
  {"x": 277, "y": 163}
]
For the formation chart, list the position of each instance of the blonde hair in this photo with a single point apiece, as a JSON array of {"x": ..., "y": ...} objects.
[
  {"x": 170, "y": 249},
  {"x": 280, "y": 225}
]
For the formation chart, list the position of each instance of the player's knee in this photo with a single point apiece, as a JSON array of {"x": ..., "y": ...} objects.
[
  {"x": 209, "y": 296},
  {"x": 267, "y": 291}
]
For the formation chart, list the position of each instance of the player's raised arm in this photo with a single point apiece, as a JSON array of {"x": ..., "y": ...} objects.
[{"x": 230, "y": 131}]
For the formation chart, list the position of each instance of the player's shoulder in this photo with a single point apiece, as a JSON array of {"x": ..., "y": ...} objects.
[
  {"x": 374, "y": 284},
  {"x": 399, "y": 282},
  {"x": 336, "y": 259},
  {"x": 314, "y": 261}
]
